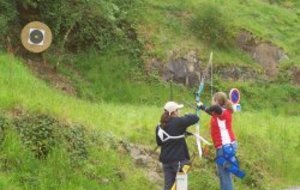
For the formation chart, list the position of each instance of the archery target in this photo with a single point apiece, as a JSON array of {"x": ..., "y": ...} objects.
[{"x": 36, "y": 37}]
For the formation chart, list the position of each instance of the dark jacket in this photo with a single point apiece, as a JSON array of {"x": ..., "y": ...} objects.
[{"x": 174, "y": 150}]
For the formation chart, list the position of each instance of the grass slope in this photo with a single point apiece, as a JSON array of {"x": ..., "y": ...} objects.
[
  {"x": 165, "y": 26},
  {"x": 117, "y": 73},
  {"x": 115, "y": 76},
  {"x": 268, "y": 143},
  {"x": 102, "y": 170}
]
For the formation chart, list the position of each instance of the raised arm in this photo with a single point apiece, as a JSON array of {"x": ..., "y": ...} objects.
[
  {"x": 189, "y": 120},
  {"x": 214, "y": 109}
]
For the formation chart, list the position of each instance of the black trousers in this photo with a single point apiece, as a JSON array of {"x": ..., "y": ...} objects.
[{"x": 170, "y": 171}]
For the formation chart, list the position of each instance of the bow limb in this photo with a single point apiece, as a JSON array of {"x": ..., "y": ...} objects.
[
  {"x": 202, "y": 139},
  {"x": 198, "y": 99},
  {"x": 198, "y": 141},
  {"x": 198, "y": 95}
]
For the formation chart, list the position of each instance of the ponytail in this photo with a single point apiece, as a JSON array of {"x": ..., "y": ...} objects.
[
  {"x": 228, "y": 105},
  {"x": 165, "y": 117}
]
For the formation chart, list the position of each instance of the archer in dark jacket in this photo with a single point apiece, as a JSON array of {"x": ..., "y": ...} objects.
[{"x": 170, "y": 135}]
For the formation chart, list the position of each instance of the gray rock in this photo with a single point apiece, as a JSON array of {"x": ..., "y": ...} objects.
[
  {"x": 143, "y": 157},
  {"x": 184, "y": 70},
  {"x": 266, "y": 54}
]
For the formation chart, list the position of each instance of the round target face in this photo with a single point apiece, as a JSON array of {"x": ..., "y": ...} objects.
[
  {"x": 235, "y": 95},
  {"x": 36, "y": 37}
]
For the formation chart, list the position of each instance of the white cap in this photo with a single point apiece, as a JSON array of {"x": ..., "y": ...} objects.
[{"x": 172, "y": 106}]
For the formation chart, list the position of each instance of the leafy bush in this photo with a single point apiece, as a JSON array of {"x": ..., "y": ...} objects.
[
  {"x": 63, "y": 167},
  {"x": 40, "y": 133},
  {"x": 76, "y": 143},
  {"x": 212, "y": 25},
  {"x": 84, "y": 23},
  {"x": 37, "y": 133},
  {"x": 78, "y": 25}
]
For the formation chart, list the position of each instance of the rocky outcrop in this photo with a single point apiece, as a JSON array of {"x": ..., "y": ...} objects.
[
  {"x": 184, "y": 70},
  {"x": 180, "y": 69},
  {"x": 187, "y": 70},
  {"x": 145, "y": 158},
  {"x": 265, "y": 53}
]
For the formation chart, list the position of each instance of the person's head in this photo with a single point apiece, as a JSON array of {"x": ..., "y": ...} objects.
[
  {"x": 220, "y": 98},
  {"x": 171, "y": 109}
]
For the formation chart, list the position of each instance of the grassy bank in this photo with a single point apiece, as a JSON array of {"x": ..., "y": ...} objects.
[
  {"x": 87, "y": 162},
  {"x": 268, "y": 141},
  {"x": 118, "y": 101},
  {"x": 167, "y": 26}
]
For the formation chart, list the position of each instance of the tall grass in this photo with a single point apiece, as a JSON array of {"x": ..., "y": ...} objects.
[
  {"x": 268, "y": 142},
  {"x": 103, "y": 170},
  {"x": 20, "y": 89}
]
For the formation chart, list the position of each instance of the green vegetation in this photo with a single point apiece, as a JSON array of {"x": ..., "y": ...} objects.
[
  {"x": 19, "y": 90},
  {"x": 164, "y": 26},
  {"x": 271, "y": 22},
  {"x": 212, "y": 26},
  {"x": 84, "y": 24},
  {"x": 51, "y": 140},
  {"x": 78, "y": 158},
  {"x": 117, "y": 77},
  {"x": 158, "y": 26}
]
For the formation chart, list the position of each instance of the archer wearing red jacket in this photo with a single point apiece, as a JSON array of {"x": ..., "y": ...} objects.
[{"x": 224, "y": 139}]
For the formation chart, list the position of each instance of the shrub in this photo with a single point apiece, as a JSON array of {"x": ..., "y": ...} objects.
[
  {"x": 4, "y": 124},
  {"x": 211, "y": 25},
  {"x": 76, "y": 24},
  {"x": 76, "y": 143},
  {"x": 40, "y": 133},
  {"x": 37, "y": 133}
]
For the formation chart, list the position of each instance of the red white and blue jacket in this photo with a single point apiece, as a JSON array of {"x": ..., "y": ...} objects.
[{"x": 221, "y": 125}]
